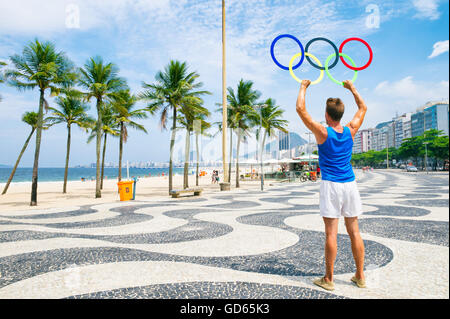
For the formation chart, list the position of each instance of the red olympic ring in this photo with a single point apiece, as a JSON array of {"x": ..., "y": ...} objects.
[{"x": 348, "y": 65}]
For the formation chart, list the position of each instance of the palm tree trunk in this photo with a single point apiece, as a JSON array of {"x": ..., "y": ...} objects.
[
  {"x": 98, "y": 192},
  {"x": 103, "y": 160},
  {"x": 231, "y": 155},
  {"x": 34, "y": 179},
  {"x": 66, "y": 170},
  {"x": 17, "y": 162},
  {"x": 237, "y": 157},
  {"x": 187, "y": 149},
  {"x": 198, "y": 158},
  {"x": 120, "y": 151},
  {"x": 257, "y": 146},
  {"x": 172, "y": 143},
  {"x": 262, "y": 153}
]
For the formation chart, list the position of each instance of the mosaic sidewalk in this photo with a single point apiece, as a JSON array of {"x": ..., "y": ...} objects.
[{"x": 239, "y": 244}]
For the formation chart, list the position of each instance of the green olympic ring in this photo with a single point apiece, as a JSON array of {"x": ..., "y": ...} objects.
[{"x": 328, "y": 72}]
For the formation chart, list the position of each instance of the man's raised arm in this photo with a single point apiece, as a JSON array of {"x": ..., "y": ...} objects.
[
  {"x": 358, "y": 119},
  {"x": 319, "y": 131}
]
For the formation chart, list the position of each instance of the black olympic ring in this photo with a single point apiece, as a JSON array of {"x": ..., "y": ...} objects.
[{"x": 336, "y": 60}]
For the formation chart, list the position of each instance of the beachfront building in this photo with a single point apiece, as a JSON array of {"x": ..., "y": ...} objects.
[
  {"x": 284, "y": 145},
  {"x": 401, "y": 129},
  {"x": 383, "y": 135},
  {"x": 375, "y": 139},
  {"x": 433, "y": 115},
  {"x": 407, "y": 128},
  {"x": 362, "y": 141}
]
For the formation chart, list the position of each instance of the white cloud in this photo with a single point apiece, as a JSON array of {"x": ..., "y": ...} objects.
[
  {"x": 439, "y": 48},
  {"x": 401, "y": 96},
  {"x": 50, "y": 16},
  {"x": 409, "y": 91},
  {"x": 427, "y": 9},
  {"x": 189, "y": 30},
  {"x": 14, "y": 105}
]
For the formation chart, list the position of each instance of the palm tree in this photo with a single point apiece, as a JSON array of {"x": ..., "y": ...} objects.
[
  {"x": 124, "y": 116},
  {"x": 241, "y": 109},
  {"x": 191, "y": 112},
  {"x": 102, "y": 82},
  {"x": 271, "y": 120},
  {"x": 71, "y": 110},
  {"x": 174, "y": 86},
  {"x": 2, "y": 77},
  {"x": 31, "y": 118},
  {"x": 40, "y": 66},
  {"x": 109, "y": 127}
]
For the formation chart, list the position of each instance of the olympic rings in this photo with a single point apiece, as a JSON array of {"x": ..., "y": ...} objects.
[
  {"x": 368, "y": 47},
  {"x": 335, "y": 50},
  {"x": 299, "y": 44},
  {"x": 307, "y": 56},
  {"x": 328, "y": 72},
  {"x": 304, "y": 53}
]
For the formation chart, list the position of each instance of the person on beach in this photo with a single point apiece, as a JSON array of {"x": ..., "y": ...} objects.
[
  {"x": 339, "y": 195},
  {"x": 217, "y": 177}
]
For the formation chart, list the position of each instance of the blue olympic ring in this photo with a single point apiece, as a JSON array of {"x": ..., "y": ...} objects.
[{"x": 299, "y": 44}]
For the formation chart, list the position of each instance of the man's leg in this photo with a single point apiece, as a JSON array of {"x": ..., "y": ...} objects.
[
  {"x": 331, "y": 228},
  {"x": 351, "y": 223}
]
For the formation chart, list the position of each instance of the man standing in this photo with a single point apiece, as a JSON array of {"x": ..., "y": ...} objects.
[{"x": 339, "y": 195}]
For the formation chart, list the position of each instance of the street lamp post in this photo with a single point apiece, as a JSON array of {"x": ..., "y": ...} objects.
[
  {"x": 289, "y": 144},
  {"x": 262, "y": 146},
  {"x": 387, "y": 150},
  {"x": 309, "y": 150},
  {"x": 426, "y": 156}
]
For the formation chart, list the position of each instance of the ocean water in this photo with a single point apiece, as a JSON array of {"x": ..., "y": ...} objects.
[{"x": 24, "y": 174}]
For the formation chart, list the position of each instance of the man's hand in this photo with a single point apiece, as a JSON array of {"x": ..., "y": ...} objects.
[
  {"x": 305, "y": 84},
  {"x": 348, "y": 84}
]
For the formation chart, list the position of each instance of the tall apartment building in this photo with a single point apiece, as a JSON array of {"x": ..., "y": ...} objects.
[
  {"x": 433, "y": 115},
  {"x": 383, "y": 135},
  {"x": 362, "y": 141},
  {"x": 283, "y": 140},
  {"x": 375, "y": 142},
  {"x": 402, "y": 129}
]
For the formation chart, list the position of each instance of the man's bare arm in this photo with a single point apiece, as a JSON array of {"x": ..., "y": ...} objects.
[
  {"x": 358, "y": 119},
  {"x": 319, "y": 131}
]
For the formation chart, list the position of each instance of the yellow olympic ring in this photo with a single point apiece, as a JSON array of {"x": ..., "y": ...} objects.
[{"x": 315, "y": 59}]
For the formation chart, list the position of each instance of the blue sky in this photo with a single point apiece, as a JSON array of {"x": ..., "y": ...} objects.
[{"x": 410, "y": 65}]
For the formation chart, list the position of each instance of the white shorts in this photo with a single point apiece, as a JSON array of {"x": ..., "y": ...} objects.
[{"x": 339, "y": 199}]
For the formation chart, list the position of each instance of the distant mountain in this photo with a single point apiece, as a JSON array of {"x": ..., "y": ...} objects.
[{"x": 5, "y": 166}]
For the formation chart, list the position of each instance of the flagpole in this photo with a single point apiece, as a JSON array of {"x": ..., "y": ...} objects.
[{"x": 224, "y": 102}]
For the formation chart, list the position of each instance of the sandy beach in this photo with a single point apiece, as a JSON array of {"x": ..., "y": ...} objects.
[{"x": 82, "y": 193}]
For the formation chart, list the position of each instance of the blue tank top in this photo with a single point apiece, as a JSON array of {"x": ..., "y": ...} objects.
[{"x": 335, "y": 155}]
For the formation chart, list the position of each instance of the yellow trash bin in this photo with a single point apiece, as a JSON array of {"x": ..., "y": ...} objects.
[{"x": 125, "y": 190}]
